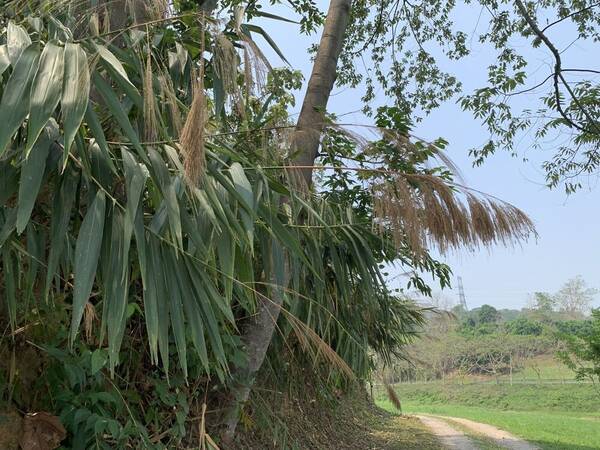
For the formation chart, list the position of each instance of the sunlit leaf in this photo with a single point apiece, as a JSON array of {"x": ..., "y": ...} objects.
[
  {"x": 17, "y": 40},
  {"x": 75, "y": 93},
  {"x": 46, "y": 89},
  {"x": 14, "y": 105}
]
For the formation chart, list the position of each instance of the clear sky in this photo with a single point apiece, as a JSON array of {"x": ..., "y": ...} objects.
[{"x": 569, "y": 241}]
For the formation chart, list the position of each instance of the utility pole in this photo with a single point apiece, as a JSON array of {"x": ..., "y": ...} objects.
[{"x": 461, "y": 294}]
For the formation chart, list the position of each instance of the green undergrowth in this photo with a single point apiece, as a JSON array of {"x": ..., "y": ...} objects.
[{"x": 315, "y": 417}]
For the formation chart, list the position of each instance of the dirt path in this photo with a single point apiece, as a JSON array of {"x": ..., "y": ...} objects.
[
  {"x": 453, "y": 438},
  {"x": 450, "y": 437},
  {"x": 500, "y": 437}
]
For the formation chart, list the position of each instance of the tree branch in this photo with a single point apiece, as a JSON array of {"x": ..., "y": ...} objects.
[
  {"x": 558, "y": 76},
  {"x": 593, "y": 5}
]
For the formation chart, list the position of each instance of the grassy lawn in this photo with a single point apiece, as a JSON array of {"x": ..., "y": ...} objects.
[
  {"x": 583, "y": 399},
  {"x": 544, "y": 367},
  {"x": 555, "y": 417}
]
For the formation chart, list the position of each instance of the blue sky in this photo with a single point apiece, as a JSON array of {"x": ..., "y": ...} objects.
[{"x": 568, "y": 242}]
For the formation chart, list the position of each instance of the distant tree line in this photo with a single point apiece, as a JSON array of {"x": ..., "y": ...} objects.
[
  {"x": 566, "y": 311},
  {"x": 491, "y": 342}
]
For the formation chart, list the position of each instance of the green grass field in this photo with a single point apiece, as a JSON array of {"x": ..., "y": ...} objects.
[
  {"x": 553, "y": 416},
  {"x": 545, "y": 368},
  {"x": 573, "y": 397}
]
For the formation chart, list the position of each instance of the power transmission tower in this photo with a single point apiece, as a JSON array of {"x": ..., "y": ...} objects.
[{"x": 461, "y": 294}]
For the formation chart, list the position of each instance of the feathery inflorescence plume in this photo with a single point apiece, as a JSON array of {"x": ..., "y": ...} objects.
[
  {"x": 192, "y": 135},
  {"x": 150, "y": 119},
  {"x": 424, "y": 210},
  {"x": 393, "y": 397},
  {"x": 226, "y": 63}
]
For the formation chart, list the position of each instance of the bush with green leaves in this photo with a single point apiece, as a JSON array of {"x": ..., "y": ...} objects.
[{"x": 582, "y": 351}]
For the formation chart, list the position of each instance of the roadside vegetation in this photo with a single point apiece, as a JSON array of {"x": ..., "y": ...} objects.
[
  {"x": 188, "y": 262},
  {"x": 517, "y": 370}
]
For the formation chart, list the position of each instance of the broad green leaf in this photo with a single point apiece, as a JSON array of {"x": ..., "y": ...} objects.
[
  {"x": 273, "y": 16},
  {"x": 99, "y": 360},
  {"x": 226, "y": 252},
  {"x": 193, "y": 316},
  {"x": 162, "y": 296},
  {"x": 167, "y": 187},
  {"x": 283, "y": 235},
  {"x": 10, "y": 222},
  {"x": 99, "y": 164},
  {"x": 219, "y": 94},
  {"x": 14, "y": 105},
  {"x": 174, "y": 265},
  {"x": 62, "y": 204},
  {"x": 57, "y": 30},
  {"x": 36, "y": 251},
  {"x": 4, "y": 59},
  {"x": 217, "y": 299},
  {"x": 96, "y": 129},
  {"x": 87, "y": 252},
  {"x": 210, "y": 320},
  {"x": 206, "y": 208},
  {"x": 135, "y": 180},
  {"x": 136, "y": 36},
  {"x": 9, "y": 177},
  {"x": 32, "y": 173},
  {"x": 76, "y": 92},
  {"x": 45, "y": 91},
  {"x": 119, "y": 75},
  {"x": 242, "y": 185},
  {"x": 271, "y": 42},
  {"x": 193, "y": 230},
  {"x": 151, "y": 291},
  {"x": 17, "y": 40},
  {"x": 174, "y": 157},
  {"x": 177, "y": 63},
  {"x": 35, "y": 22},
  {"x": 10, "y": 275},
  {"x": 116, "y": 285},
  {"x": 113, "y": 63},
  {"x": 119, "y": 114},
  {"x": 244, "y": 189},
  {"x": 278, "y": 258}
]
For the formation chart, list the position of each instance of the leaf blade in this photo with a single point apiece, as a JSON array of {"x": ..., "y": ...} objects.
[
  {"x": 87, "y": 254},
  {"x": 17, "y": 40},
  {"x": 14, "y": 105},
  {"x": 45, "y": 91},
  {"x": 32, "y": 174},
  {"x": 76, "y": 91}
]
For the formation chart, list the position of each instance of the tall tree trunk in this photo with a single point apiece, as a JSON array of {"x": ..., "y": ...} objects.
[
  {"x": 311, "y": 121},
  {"x": 305, "y": 144}
]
